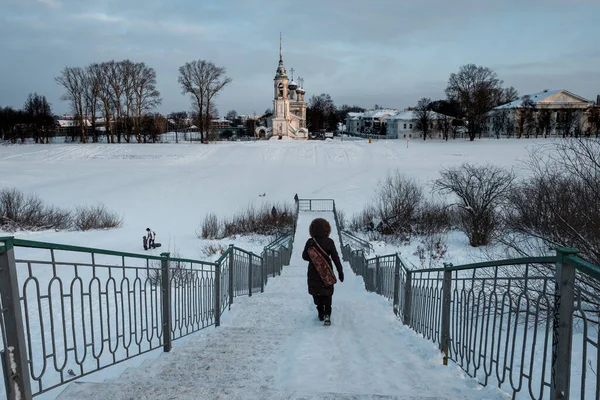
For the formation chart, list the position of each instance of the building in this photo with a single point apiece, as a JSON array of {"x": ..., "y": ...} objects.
[
  {"x": 405, "y": 124},
  {"x": 547, "y": 113},
  {"x": 371, "y": 122},
  {"x": 289, "y": 107}
]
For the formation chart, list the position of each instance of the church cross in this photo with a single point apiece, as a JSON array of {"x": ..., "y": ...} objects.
[{"x": 292, "y": 69}]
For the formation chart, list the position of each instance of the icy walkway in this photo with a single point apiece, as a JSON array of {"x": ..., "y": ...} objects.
[{"x": 272, "y": 346}]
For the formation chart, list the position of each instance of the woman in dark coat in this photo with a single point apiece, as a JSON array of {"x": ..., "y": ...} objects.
[{"x": 319, "y": 231}]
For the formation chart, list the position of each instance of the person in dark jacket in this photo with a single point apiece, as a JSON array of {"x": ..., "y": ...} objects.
[{"x": 322, "y": 294}]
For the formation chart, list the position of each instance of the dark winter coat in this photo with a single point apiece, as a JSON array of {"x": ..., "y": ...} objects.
[{"x": 320, "y": 230}]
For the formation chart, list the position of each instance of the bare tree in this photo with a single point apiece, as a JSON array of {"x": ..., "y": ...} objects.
[
  {"x": 544, "y": 122},
  {"x": 202, "y": 80},
  {"x": 481, "y": 190},
  {"x": 424, "y": 116},
  {"x": 92, "y": 87},
  {"x": 477, "y": 90},
  {"x": 500, "y": 122},
  {"x": 594, "y": 120},
  {"x": 73, "y": 79},
  {"x": 146, "y": 96},
  {"x": 526, "y": 117},
  {"x": 557, "y": 204},
  {"x": 38, "y": 117},
  {"x": 565, "y": 121}
]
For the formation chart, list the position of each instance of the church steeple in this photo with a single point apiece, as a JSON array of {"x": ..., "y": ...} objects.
[{"x": 280, "y": 69}]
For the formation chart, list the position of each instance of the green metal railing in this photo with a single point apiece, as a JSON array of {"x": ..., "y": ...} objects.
[
  {"x": 69, "y": 311},
  {"x": 527, "y": 324}
]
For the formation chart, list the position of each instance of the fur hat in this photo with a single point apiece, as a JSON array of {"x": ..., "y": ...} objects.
[{"x": 319, "y": 228}]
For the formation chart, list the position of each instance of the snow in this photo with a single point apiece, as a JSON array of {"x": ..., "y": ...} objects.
[{"x": 171, "y": 187}]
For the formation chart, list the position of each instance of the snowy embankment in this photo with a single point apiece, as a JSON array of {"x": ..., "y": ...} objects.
[
  {"x": 272, "y": 345},
  {"x": 171, "y": 187}
]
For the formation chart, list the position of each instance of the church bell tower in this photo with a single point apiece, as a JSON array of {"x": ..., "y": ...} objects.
[{"x": 281, "y": 104}]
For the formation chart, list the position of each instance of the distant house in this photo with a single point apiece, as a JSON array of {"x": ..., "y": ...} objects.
[
  {"x": 220, "y": 123},
  {"x": 369, "y": 122},
  {"x": 405, "y": 124},
  {"x": 547, "y": 113}
]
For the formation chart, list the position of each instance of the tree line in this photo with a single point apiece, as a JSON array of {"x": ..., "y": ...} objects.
[{"x": 120, "y": 98}]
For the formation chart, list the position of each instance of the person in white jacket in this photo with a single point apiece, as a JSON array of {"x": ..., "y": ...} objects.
[{"x": 151, "y": 236}]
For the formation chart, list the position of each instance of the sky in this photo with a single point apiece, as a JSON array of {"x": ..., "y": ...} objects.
[{"x": 390, "y": 53}]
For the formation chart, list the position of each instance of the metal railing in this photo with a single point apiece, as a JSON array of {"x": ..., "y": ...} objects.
[
  {"x": 357, "y": 242},
  {"x": 320, "y": 205},
  {"x": 69, "y": 311},
  {"x": 528, "y": 325}
]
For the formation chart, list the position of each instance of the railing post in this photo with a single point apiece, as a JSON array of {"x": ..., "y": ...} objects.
[
  {"x": 407, "y": 298},
  {"x": 15, "y": 362},
  {"x": 377, "y": 285},
  {"x": 280, "y": 260},
  {"x": 273, "y": 261},
  {"x": 446, "y": 298},
  {"x": 230, "y": 275},
  {"x": 262, "y": 273},
  {"x": 165, "y": 287},
  {"x": 217, "y": 295},
  {"x": 250, "y": 275},
  {"x": 396, "y": 285},
  {"x": 562, "y": 329},
  {"x": 309, "y": 204}
]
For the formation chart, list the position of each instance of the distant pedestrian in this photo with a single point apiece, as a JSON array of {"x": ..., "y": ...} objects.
[
  {"x": 319, "y": 251},
  {"x": 151, "y": 237}
]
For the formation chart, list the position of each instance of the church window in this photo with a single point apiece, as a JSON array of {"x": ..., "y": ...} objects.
[
  {"x": 410, "y": 126},
  {"x": 404, "y": 126}
]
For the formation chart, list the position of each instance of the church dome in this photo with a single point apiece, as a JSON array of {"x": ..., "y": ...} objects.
[
  {"x": 300, "y": 90},
  {"x": 293, "y": 85}
]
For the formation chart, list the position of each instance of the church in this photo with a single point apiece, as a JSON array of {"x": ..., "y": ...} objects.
[{"x": 289, "y": 107}]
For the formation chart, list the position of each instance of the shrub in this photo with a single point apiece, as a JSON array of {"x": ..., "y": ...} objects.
[
  {"x": 432, "y": 250},
  {"x": 213, "y": 248},
  {"x": 268, "y": 219},
  {"x": 95, "y": 217},
  {"x": 18, "y": 211},
  {"x": 395, "y": 208},
  {"x": 558, "y": 204},
  {"x": 210, "y": 227},
  {"x": 433, "y": 218},
  {"x": 481, "y": 191}
]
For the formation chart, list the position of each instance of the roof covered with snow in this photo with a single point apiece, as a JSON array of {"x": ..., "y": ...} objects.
[
  {"x": 412, "y": 115},
  {"x": 541, "y": 97}
]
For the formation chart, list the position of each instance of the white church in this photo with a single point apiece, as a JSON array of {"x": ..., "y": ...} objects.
[{"x": 289, "y": 107}]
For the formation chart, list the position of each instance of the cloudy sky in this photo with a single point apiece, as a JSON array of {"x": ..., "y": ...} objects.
[{"x": 390, "y": 52}]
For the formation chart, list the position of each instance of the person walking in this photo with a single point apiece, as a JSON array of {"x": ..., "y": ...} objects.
[{"x": 320, "y": 251}]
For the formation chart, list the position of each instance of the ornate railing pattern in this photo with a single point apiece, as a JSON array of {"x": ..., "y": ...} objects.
[
  {"x": 68, "y": 311},
  {"x": 528, "y": 325}
]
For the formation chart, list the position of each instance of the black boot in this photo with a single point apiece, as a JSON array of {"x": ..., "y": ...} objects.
[
  {"x": 321, "y": 312},
  {"x": 327, "y": 320}
]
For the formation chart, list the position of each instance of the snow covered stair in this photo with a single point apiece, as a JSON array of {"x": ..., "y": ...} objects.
[{"x": 272, "y": 346}]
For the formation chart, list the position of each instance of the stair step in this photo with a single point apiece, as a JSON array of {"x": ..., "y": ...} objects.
[{"x": 122, "y": 391}]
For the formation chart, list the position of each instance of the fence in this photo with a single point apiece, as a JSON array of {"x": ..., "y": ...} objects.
[
  {"x": 320, "y": 205},
  {"x": 529, "y": 325},
  {"x": 69, "y": 311}
]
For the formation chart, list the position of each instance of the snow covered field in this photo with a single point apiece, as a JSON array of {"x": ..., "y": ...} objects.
[{"x": 171, "y": 187}]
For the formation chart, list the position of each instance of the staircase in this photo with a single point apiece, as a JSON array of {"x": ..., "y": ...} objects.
[{"x": 272, "y": 346}]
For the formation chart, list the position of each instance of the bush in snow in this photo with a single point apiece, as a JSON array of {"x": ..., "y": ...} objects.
[
  {"x": 213, "y": 248},
  {"x": 433, "y": 218},
  {"x": 95, "y": 217},
  {"x": 481, "y": 191},
  {"x": 394, "y": 211},
  {"x": 558, "y": 203},
  {"x": 210, "y": 227},
  {"x": 268, "y": 219},
  {"x": 432, "y": 250},
  {"x": 20, "y": 212}
]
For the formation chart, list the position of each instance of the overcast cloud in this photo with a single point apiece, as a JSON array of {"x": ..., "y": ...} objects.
[{"x": 360, "y": 52}]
